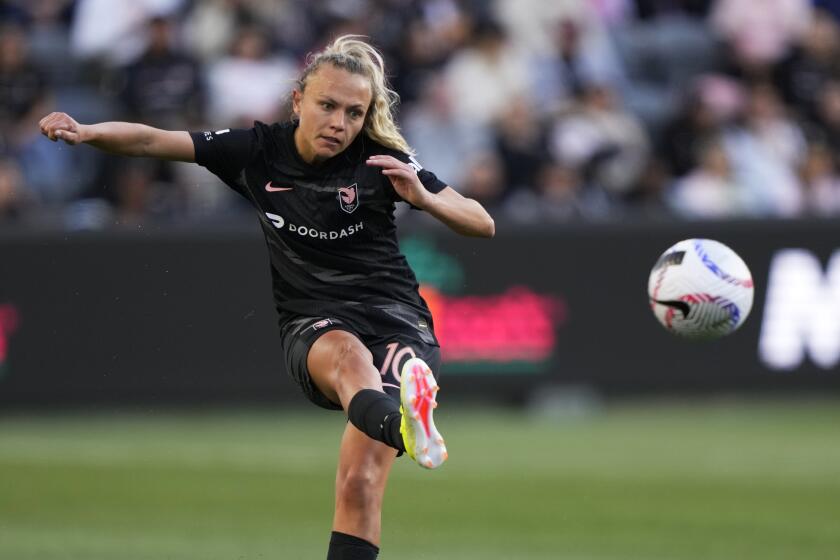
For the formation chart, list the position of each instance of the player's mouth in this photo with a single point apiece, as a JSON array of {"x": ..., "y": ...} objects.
[{"x": 331, "y": 141}]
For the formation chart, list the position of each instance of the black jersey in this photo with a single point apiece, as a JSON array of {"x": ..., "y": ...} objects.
[{"x": 330, "y": 228}]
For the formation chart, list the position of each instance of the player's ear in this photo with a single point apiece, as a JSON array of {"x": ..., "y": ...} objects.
[{"x": 297, "y": 95}]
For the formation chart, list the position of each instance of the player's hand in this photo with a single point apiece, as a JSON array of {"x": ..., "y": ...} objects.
[
  {"x": 403, "y": 177},
  {"x": 61, "y": 126}
]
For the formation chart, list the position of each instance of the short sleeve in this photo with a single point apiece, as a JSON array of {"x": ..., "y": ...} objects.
[
  {"x": 430, "y": 181},
  {"x": 225, "y": 152},
  {"x": 427, "y": 178}
]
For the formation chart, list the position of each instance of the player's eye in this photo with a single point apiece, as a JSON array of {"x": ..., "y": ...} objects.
[
  {"x": 326, "y": 105},
  {"x": 356, "y": 114}
]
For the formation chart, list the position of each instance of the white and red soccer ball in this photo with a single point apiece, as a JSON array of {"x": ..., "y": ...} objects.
[{"x": 700, "y": 288}]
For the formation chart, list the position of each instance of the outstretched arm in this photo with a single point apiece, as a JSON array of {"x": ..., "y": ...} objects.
[
  {"x": 463, "y": 215},
  {"x": 127, "y": 139}
]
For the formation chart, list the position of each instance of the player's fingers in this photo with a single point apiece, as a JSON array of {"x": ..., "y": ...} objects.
[
  {"x": 49, "y": 132},
  {"x": 44, "y": 120},
  {"x": 57, "y": 120},
  {"x": 398, "y": 172},
  {"x": 59, "y": 126},
  {"x": 391, "y": 163},
  {"x": 45, "y": 124},
  {"x": 52, "y": 131},
  {"x": 52, "y": 118},
  {"x": 68, "y": 137},
  {"x": 381, "y": 161},
  {"x": 48, "y": 127}
]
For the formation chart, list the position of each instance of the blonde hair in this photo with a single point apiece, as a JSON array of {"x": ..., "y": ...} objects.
[{"x": 351, "y": 53}]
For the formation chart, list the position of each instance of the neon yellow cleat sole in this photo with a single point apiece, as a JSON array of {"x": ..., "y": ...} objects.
[{"x": 422, "y": 440}]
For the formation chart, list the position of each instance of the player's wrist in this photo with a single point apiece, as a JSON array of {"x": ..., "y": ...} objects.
[
  {"x": 86, "y": 132},
  {"x": 425, "y": 200}
]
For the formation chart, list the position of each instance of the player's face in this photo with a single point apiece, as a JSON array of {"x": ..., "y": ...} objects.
[{"x": 332, "y": 110}]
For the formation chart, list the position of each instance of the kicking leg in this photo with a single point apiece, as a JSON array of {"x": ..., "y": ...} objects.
[{"x": 342, "y": 369}]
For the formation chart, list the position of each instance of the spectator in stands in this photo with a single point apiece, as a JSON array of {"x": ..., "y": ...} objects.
[
  {"x": 484, "y": 179},
  {"x": 532, "y": 25},
  {"x": 647, "y": 199},
  {"x": 828, "y": 116},
  {"x": 250, "y": 83},
  {"x": 710, "y": 104},
  {"x": 47, "y": 176},
  {"x": 820, "y": 181},
  {"x": 49, "y": 36},
  {"x": 664, "y": 49},
  {"x": 211, "y": 26},
  {"x": 757, "y": 38},
  {"x": 12, "y": 201},
  {"x": 710, "y": 190},
  {"x": 23, "y": 85},
  {"x": 520, "y": 141},
  {"x": 813, "y": 63},
  {"x": 575, "y": 60},
  {"x": 114, "y": 32},
  {"x": 138, "y": 197},
  {"x": 486, "y": 74},
  {"x": 431, "y": 126},
  {"x": 605, "y": 144},
  {"x": 428, "y": 40},
  {"x": 559, "y": 196},
  {"x": 164, "y": 86},
  {"x": 766, "y": 149}
]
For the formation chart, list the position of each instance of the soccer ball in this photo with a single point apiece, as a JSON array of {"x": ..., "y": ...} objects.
[{"x": 700, "y": 288}]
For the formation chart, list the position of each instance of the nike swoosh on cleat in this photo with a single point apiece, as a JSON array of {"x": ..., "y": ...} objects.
[
  {"x": 269, "y": 188},
  {"x": 678, "y": 305}
]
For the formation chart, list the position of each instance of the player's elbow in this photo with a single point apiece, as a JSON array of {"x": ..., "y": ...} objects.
[
  {"x": 488, "y": 228},
  {"x": 485, "y": 227}
]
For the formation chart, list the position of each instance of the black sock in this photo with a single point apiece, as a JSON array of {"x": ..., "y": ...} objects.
[
  {"x": 348, "y": 547},
  {"x": 377, "y": 414}
]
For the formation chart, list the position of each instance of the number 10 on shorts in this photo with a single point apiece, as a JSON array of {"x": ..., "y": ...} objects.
[{"x": 395, "y": 356}]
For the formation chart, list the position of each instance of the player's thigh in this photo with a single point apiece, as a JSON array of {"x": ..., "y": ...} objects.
[
  {"x": 340, "y": 364},
  {"x": 298, "y": 335}
]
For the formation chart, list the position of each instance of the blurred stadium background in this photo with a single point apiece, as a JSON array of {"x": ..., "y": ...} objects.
[{"x": 144, "y": 413}]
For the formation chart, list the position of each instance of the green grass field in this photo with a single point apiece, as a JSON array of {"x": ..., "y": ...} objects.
[{"x": 713, "y": 480}]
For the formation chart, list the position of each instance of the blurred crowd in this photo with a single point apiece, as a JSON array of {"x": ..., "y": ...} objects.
[{"x": 543, "y": 110}]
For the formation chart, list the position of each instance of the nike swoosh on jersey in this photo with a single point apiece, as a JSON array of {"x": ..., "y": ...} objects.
[{"x": 269, "y": 188}]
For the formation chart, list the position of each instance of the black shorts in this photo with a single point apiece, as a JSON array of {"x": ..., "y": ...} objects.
[{"x": 390, "y": 351}]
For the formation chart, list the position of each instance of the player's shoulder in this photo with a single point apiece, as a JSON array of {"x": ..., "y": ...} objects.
[
  {"x": 274, "y": 133},
  {"x": 273, "y": 139},
  {"x": 375, "y": 148}
]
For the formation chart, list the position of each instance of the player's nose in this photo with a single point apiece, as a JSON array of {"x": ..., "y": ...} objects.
[{"x": 337, "y": 120}]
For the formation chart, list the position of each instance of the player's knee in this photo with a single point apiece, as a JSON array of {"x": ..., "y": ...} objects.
[{"x": 358, "y": 488}]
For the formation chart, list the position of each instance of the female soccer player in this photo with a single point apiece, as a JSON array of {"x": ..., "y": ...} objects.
[{"x": 355, "y": 332}]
